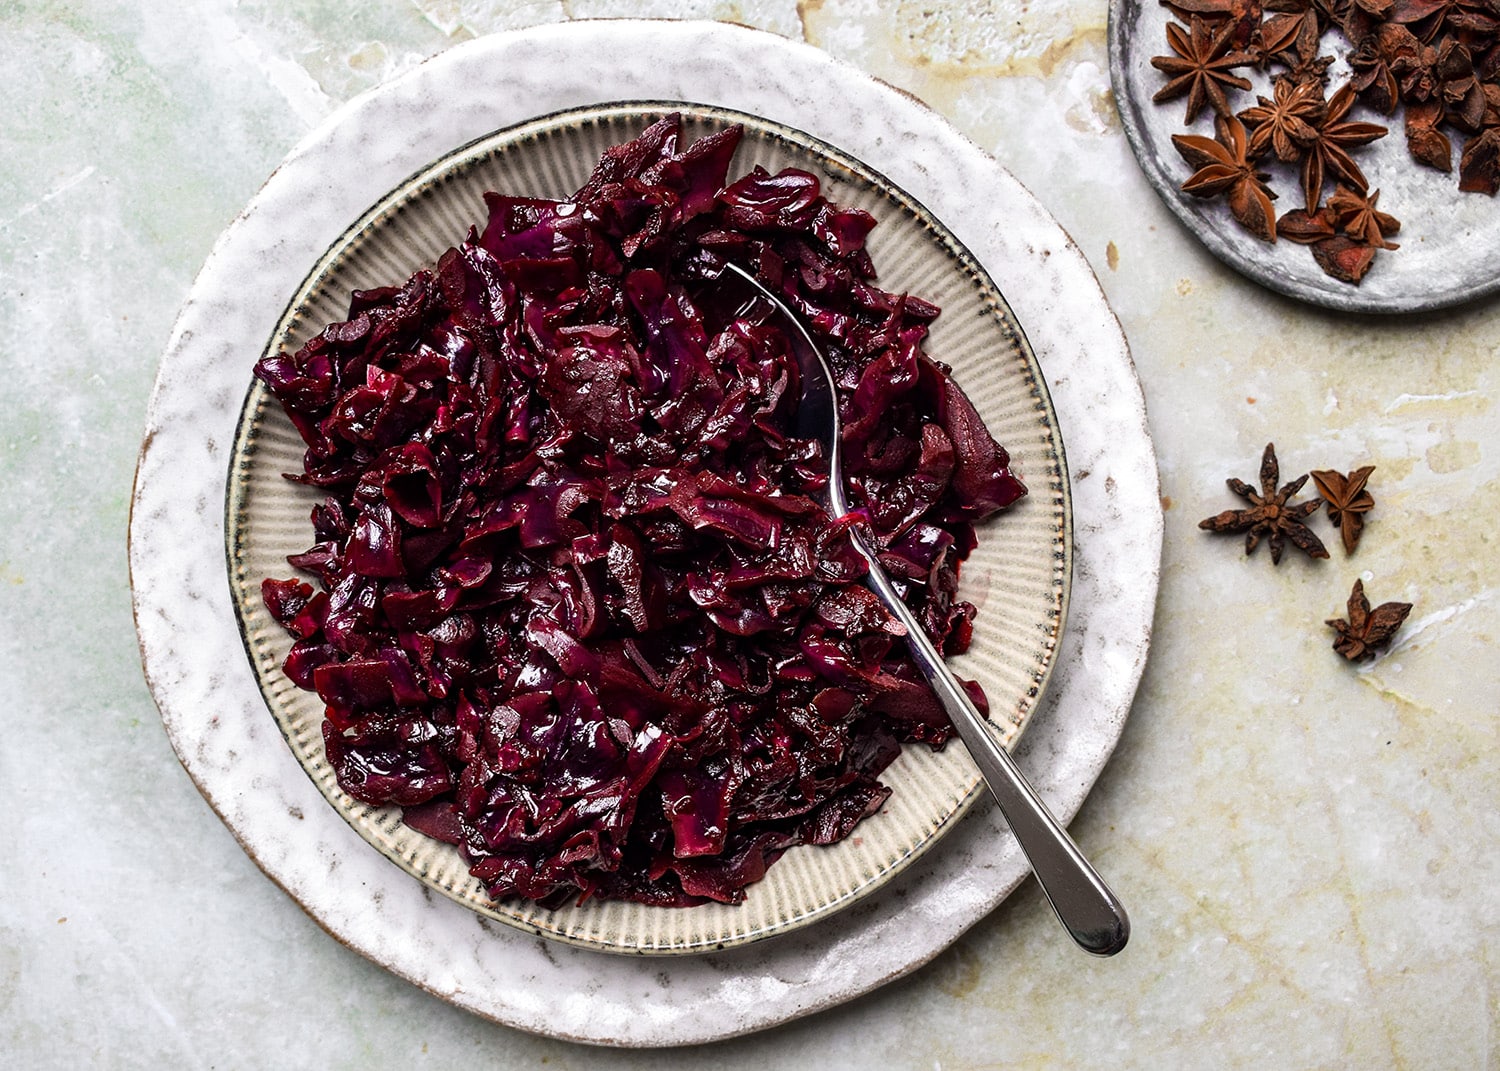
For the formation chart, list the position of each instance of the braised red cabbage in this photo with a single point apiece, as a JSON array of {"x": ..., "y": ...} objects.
[{"x": 576, "y": 607}]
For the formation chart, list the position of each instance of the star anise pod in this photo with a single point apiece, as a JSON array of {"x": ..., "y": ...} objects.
[
  {"x": 1269, "y": 513},
  {"x": 1328, "y": 12},
  {"x": 1427, "y": 144},
  {"x": 1287, "y": 123},
  {"x": 1241, "y": 16},
  {"x": 1348, "y": 255},
  {"x": 1364, "y": 16},
  {"x": 1366, "y": 629},
  {"x": 1289, "y": 39},
  {"x": 1491, "y": 116},
  {"x": 1479, "y": 170},
  {"x": 1306, "y": 228},
  {"x": 1347, "y": 501},
  {"x": 1358, "y": 217},
  {"x": 1459, "y": 89},
  {"x": 1416, "y": 73},
  {"x": 1346, "y": 259},
  {"x": 1429, "y": 17},
  {"x": 1311, "y": 68},
  {"x": 1487, "y": 62},
  {"x": 1201, "y": 67},
  {"x": 1223, "y": 167},
  {"x": 1328, "y": 152},
  {"x": 1371, "y": 62}
]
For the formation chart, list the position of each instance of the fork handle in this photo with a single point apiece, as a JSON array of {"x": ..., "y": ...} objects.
[{"x": 1084, "y": 904}]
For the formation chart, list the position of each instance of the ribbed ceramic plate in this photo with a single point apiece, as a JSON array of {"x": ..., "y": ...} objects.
[{"x": 1018, "y": 578}]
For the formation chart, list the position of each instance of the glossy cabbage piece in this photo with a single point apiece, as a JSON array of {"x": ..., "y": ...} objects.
[{"x": 574, "y": 604}]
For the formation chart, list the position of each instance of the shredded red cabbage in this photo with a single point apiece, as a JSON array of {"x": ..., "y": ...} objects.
[{"x": 578, "y": 610}]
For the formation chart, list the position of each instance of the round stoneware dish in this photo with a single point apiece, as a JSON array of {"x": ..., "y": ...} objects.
[
  {"x": 216, "y": 716},
  {"x": 1447, "y": 237},
  {"x": 1017, "y": 577}
]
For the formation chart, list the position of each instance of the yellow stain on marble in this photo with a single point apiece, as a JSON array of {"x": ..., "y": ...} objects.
[
  {"x": 1112, "y": 256},
  {"x": 1392, "y": 470},
  {"x": 369, "y": 57},
  {"x": 1184, "y": 287},
  {"x": 935, "y": 53},
  {"x": 1095, "y": 114},
  {"x": 959, "y": 970},
  {"x": 1448, "y": 457}
]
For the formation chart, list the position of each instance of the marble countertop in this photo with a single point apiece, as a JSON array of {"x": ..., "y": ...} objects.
[{"x": 1307, "y": 847}]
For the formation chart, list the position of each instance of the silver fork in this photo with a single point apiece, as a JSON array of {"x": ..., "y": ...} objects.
[{"x": 1088, "y": 910}]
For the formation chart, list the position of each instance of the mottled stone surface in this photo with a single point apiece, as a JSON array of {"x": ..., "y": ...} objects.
[{"x": 1307, "y": 848}]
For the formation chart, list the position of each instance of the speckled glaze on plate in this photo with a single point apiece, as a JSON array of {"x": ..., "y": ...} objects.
[
  {"x": 1448, "y": 238},
  {"x": 1017, "y": 576},
  {"x": 215, "y": 715}
]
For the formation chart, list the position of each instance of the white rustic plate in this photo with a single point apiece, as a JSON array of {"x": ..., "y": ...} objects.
[
  {"x": 214, "y": 712},
  {"x": 1448, "y": 238},
  {"x": 1017, "y": 577}
]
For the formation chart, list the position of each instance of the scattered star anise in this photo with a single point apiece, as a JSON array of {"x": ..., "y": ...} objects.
[
  {"x": 1347, "y": 501},
  {"x": 1270, "y": 513},
  {"x": 1224, "y": 167},
  {"x": 1201, "y": 68},
  {"x": 1287, "y": 123},
  {"x": 1366, "y": 629}
]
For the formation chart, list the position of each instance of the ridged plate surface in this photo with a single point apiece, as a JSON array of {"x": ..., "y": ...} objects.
[{"x": 1018, "y": 577}]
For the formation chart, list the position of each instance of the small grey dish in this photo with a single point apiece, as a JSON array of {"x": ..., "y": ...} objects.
[{"x": 1448, "y": 238}]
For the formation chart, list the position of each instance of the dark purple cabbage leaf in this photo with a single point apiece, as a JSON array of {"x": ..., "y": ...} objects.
[{"x": 576, "y": 607}]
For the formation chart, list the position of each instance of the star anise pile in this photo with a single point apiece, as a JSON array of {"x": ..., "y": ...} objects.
[{"x": 1440, "y": 59}]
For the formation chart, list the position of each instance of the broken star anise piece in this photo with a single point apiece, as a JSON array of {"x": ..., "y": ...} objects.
[
  {"x": 1347, "y": 501},
  {"x": 1366, "y": 629},
  {"x": 1479, "y": 170},
  {"x": 1270, "y": 513},
  {"x": 1241, "y": 16},
  {"x": 1371, "y": 61},
  {"x": 1223, "y": 166},
  {"x": 1344, "y": 258},
  {"x": 1427, "y": 144},
  {"x": 1306, "y": 228},
  {"x": 1201, "y": 68}
]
